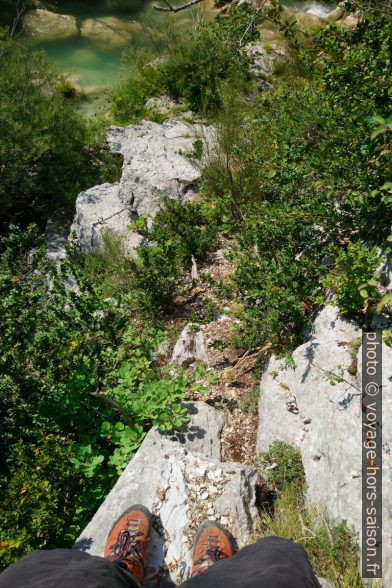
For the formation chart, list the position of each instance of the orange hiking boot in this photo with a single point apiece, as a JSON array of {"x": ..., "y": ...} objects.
[
  {"x": 212, "y": 543},
  {"x": 129, "y": 538}
]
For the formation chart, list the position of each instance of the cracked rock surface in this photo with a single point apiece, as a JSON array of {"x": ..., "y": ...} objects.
[
  {"x": 324, "y": 420},
  {"x": 190, "y": 347},
  {"x": 181, "y": 479},
  {"x": 157, "y": 165}
]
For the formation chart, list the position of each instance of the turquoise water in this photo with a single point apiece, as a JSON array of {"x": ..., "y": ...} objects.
[
  {"x": 92, "y": 64},
  {"x": 95, "y": 65}
]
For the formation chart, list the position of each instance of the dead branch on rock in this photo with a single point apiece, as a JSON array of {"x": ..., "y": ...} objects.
[
  {"x": 249, "y": 359},
  {"x": 113, "y": 404},
  {"x": 170, "y": 8},
  {"x": 251, "y": 22},
  {"x": 20, "y": 7}
]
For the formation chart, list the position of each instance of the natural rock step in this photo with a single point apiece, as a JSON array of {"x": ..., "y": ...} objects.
[{"x": 181, "y": 479}]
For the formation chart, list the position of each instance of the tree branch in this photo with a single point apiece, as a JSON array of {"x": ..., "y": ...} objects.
[
  {"x": 171, "y": 8},
  {"x": 20, "y": 8},
  {"x": 250, "y": 25},
  {"x": 113, "y": 404}
]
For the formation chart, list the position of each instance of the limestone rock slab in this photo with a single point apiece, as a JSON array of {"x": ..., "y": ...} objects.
[
  {"x": 157, "y": 163},
  {"x": 327, "y": 426},
  {"x": 190, "y": 347},
  {"x": 182, "y": 483}
]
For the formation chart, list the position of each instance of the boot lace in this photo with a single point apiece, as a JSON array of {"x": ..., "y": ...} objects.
[
  {"x": 129, "y": 548},
  {"x": 212, "y": 553}
]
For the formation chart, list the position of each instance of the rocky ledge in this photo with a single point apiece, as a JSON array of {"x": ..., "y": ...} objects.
[{"x": 181, "y": 479}]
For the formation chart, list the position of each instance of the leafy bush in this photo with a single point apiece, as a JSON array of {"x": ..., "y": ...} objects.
[
  {"x": 128, "y": 100},
  {"x": 283, "y": 466},
  {"x": 193, "y": 65},
  {"x": 191, "y": 226},
  {"x": 289, "y": 180},
  {"x": 350, "y": 278},
  {"x": 43, "y": 159},
  {"x": 198, "y": 62},
  {"x": 78, "y": 392},
  {"x": 157, "y": 275}
]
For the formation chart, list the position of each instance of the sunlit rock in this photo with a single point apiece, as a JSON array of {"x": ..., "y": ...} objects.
[
  {"x": 108, "y": 32},
  {"x": 317, "y": 407},
  {"x": 44, "y": 25},
  {"x": 350, "y": 22},
  {"x": 306, "y": 21},
  {"x": 190, "y": 347}
]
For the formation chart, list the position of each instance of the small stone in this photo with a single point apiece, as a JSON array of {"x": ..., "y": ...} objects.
[
  {"x": 201, "y": 471},
  {"x": 210, "y": 511},
  {"x": 204, "y": 496},
  {"x": 190, "y": 347}
]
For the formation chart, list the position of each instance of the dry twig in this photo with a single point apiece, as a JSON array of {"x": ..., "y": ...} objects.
[{"x": 170, "y": 8}]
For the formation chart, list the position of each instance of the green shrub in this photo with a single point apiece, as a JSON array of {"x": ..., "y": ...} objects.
[
  {"x": 43, "y": 159},
  {"x": 157, "y": 276},
  {"x": 198, "y": 62},
  {"x": 297, "y": 169},
  {"x": 193, "y": 66},
  {"x": 353, "y": 269},
  {"x": 192, "y": 226},
  {"x": 282, "y": 464},
  {"x": 78, "y": 392},
  {"x": 128, "y": 100}
]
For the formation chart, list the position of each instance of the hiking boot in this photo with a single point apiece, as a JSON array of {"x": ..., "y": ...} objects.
[
  {"x": 212, "y": 543},
  {"x": 128, "y": 541}
]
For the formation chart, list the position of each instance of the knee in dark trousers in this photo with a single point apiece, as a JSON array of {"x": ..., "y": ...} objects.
[
  {"x": 271, "y": 562},
  {"x": 66, "y": 568}
]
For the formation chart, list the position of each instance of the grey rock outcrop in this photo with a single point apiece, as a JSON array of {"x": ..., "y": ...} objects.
[
  {"x": 49, "y": 26},
  {"x": 181, "y": 480},
  {"x": 56, "y": 237},
  {"x": 157, "y": 163},
  {"x": 190, "y": 347},
  {"x": 99, "y": 209},
  {"x": 301, "y": 407}
]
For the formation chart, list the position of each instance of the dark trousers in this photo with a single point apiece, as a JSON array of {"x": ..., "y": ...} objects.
[{"x": 272, "y": 562}]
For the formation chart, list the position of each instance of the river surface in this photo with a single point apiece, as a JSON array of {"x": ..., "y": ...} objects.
[{"x": 100, "y": 66}]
